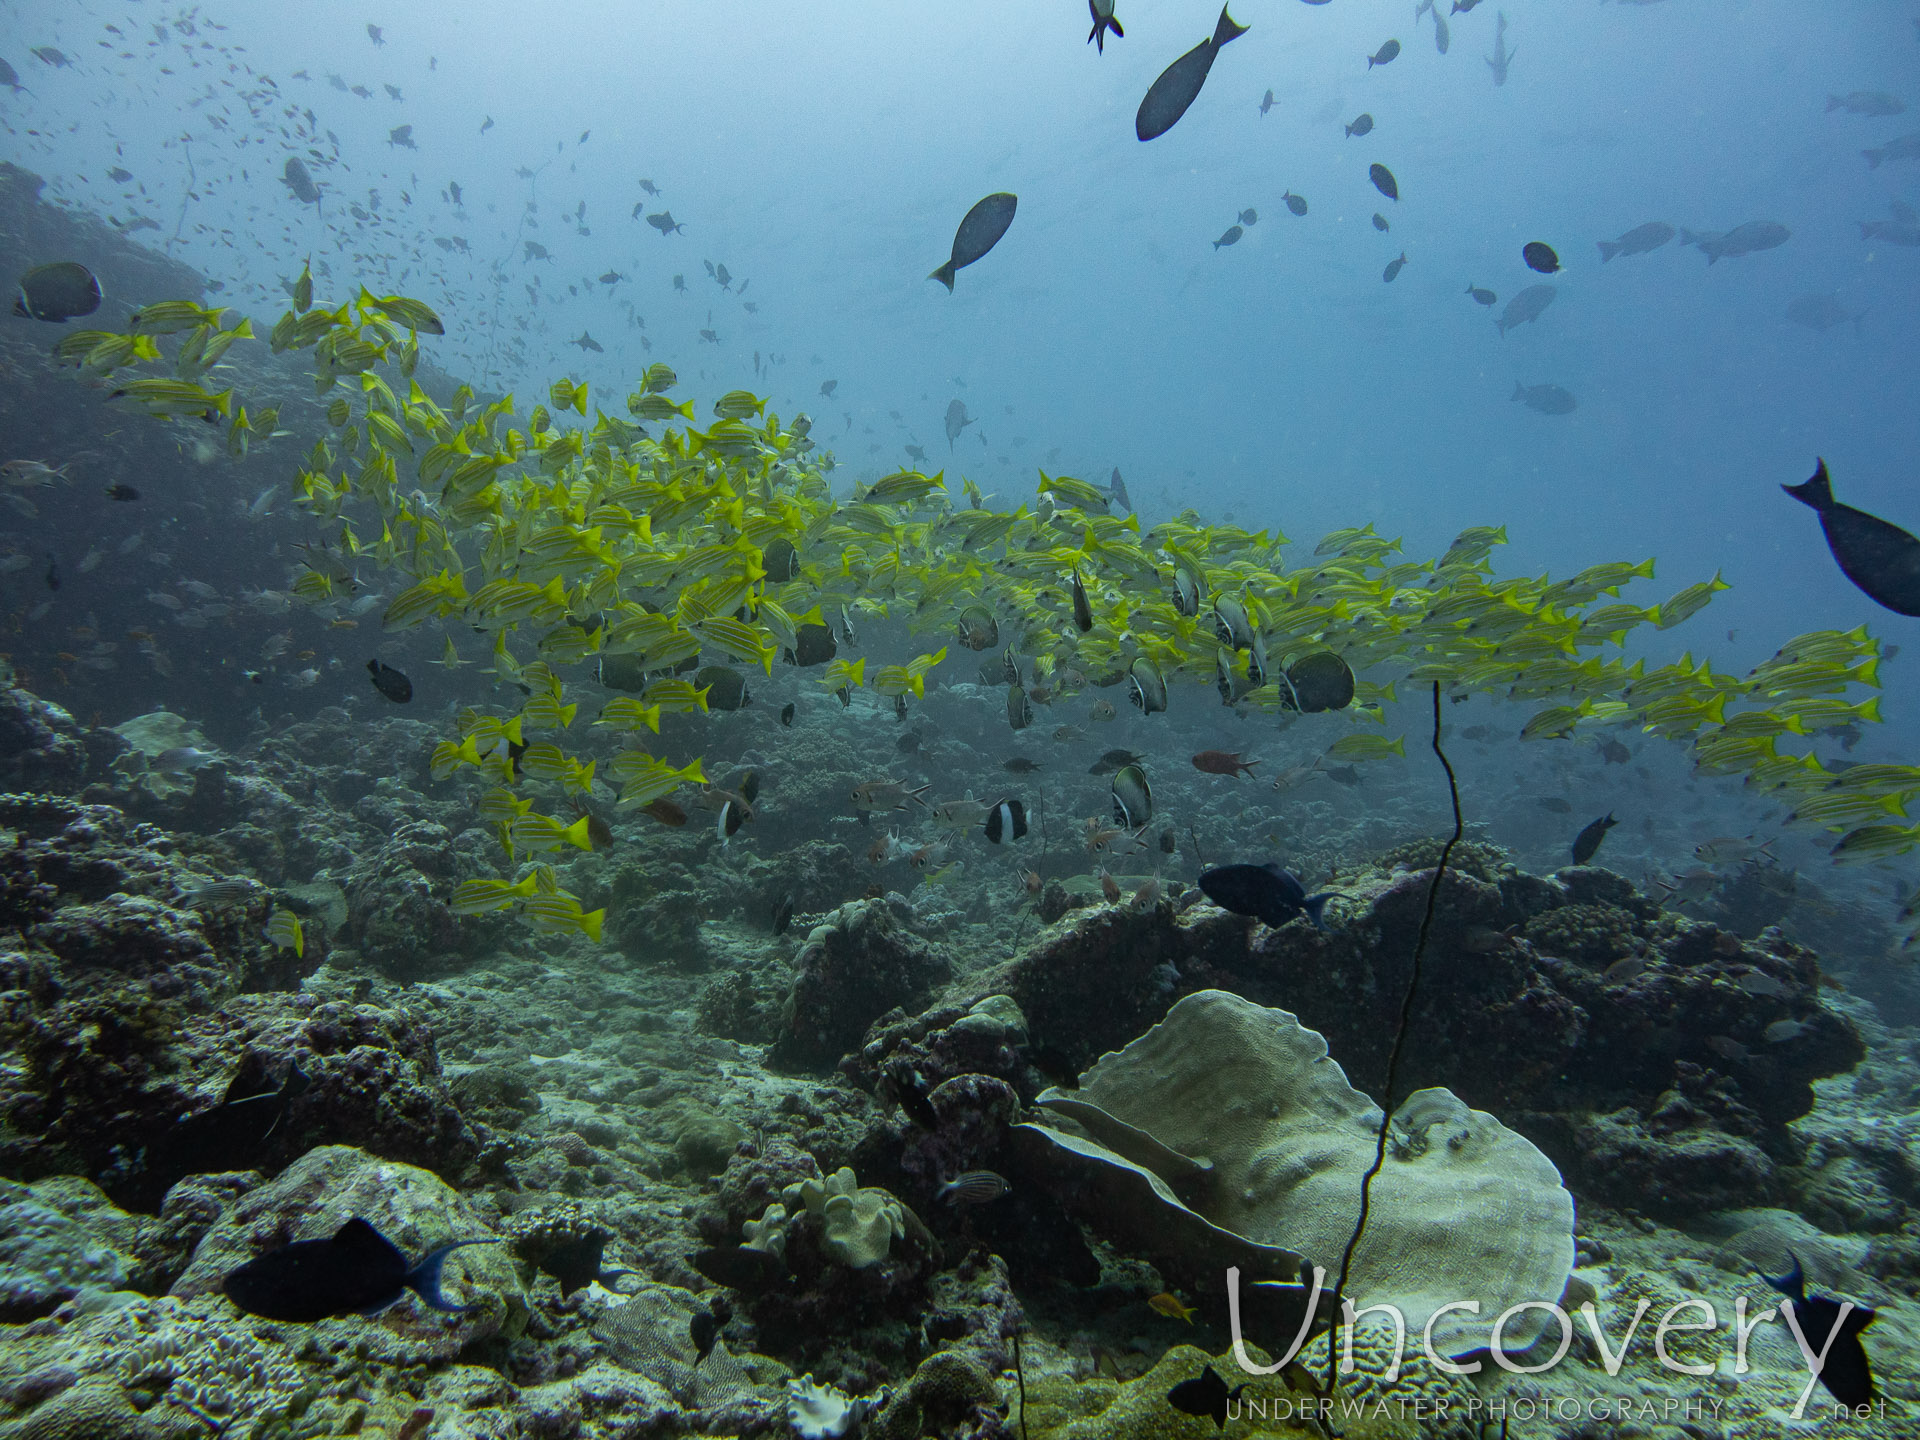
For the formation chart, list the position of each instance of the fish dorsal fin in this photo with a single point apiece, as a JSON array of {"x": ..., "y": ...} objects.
[
  {"x": 1793, "y": 1283},
  {"x": 362, "y": 1242}
]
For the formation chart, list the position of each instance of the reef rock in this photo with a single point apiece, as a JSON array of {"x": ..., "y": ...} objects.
[
  {"x": 148, "y": 1369},
  {"x": 47, "y": 1257},
  {"x": 854, "y": 967},
  {"x": 41, "y": 749},
  {"x": 101, "y": 1086},
  {"x": 397, "y": 904},
  {"x": 1546, "y": 1000},
  {"x": 1235, "y": 1132},
  {"x": 107, "y": 904}
]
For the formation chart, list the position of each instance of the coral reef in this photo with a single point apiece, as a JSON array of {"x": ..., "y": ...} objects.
[
  {"x": 41, "y": 749},
  {"x": 1226, "y": 1135},
  {"x": 413, "y": 1208},
  {"x": 101, "y": 1086},
  {"x": 858, "y": 964},
  {"x": 614, "y": 1108},
  {"x": 1681, "y": 1026}
]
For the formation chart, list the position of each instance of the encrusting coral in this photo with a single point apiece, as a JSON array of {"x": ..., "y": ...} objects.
[{"x": 1268, "y": 1142}]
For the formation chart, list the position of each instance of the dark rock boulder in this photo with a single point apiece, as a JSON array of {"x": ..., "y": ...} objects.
[
  {"x": 855, "y": 967},
  {"x": 41, "y": 748}
]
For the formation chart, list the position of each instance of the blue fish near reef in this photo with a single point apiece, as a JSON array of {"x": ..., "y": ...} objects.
[
  {"x": 1268, "y": 893},
  {"x": 1829, "y": 1328},
  {"x": 355, "y": 1271}
]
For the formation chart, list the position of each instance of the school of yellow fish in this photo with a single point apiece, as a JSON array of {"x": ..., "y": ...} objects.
[{"x": 573, "y": 541}]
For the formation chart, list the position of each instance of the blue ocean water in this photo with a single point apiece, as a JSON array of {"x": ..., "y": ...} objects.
[
  {"x": 825, "y": 155},
  {"x": 501, "y": 162}
]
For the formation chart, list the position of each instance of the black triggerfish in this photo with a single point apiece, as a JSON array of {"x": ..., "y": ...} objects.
[
  {"x": 1826, "y": 1327},
  {"x": 354, "y": 1271}
]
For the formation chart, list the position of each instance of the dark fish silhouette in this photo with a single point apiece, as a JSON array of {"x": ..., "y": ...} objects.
[
  {"x": 786, "y": 713},
  {"x": 122, "y": 492},
  {"x": 1231, "y": 236},
  {"x": 980, "y": 230},
  {"x": 783, "y": 915},
  {"x": 1268, "y": 893},
  {"x": 390, "y": 682},
  {"x": 957, "y": 420},
  {"x": 813, "y": 645},
  {"x": 576, "y": 1264},
  {"x": 1385, "y": 55},
  {"x": 1103, "y": 21},
  {"x": 1481, "y": 295},
  {"x": 1296, "y": 203},
  {"x": 1588, "y": 840},
  {"x": 1179, "y": 84},
  {"x": 227, "y": 1137},
  {"x": 1547, "y": 399},
  {"x": 64, "y": 290},
  {"x": 1637, "y": 241},
  {"x": 1741, "y": 240},
  {"x": 1539, "y": 256},
  {"x": 1502, "y": 57},
  {"x": 1821, "y": 1319},
  {"x": 911, "y": 1092},
  {"x": 1379, "y": 221},
  {"x": 1394, "y": 267},
  {"x": 357, "y": 1270},
  {"x": 1006, "y": 821},
  {"x": 1316, "y": 682},
  {"x": 1822, "y": 313},
  {"x": 297, "y": 179},
  {"x": 1383, "y": 181},
  {"x": 726, "y": 687},
  {"x": 1525, "y": 306},
  {"x": 1362, "y": 125},
  {"x": 1206, "y": 1394},
  {"x": 1879, "y": 557},
  {"x": 741, "y": 1267},
  {"x": 1082, "y": 611},
  {"x": 702, "y": 1330}
]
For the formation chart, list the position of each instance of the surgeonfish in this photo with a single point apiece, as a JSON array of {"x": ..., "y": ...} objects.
[
  {"x": 980, "y": 230},
  {"x": 1178, "y": 86}
]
